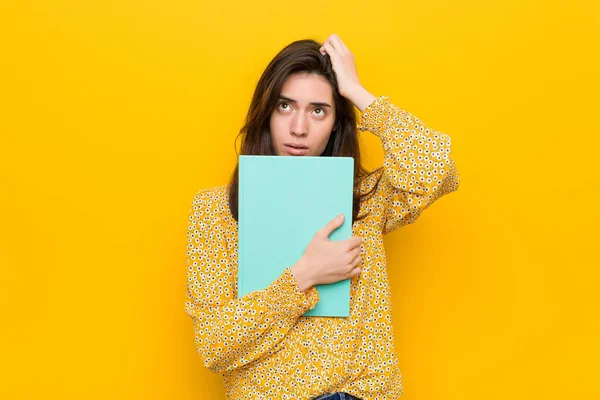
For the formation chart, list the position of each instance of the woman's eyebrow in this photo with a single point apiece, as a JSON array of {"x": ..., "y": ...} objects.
[{"x": 313, "y": 103}]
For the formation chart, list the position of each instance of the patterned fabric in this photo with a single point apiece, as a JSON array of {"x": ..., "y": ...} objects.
[
  {"x": 261, "y": 343},
  {"x": 337, "y": 396}
]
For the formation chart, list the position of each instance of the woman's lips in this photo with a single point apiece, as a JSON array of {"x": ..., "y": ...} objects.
[{"x": 295, "y": 151}]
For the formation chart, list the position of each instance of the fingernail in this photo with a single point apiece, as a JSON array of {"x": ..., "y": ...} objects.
[{"x": 341, "y": 217}]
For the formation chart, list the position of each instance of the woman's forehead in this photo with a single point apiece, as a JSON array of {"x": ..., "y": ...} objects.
[{"x": 307, "y": 88}]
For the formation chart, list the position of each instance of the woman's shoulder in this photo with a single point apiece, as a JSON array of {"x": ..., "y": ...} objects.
[{"x": 212, "y": 198}]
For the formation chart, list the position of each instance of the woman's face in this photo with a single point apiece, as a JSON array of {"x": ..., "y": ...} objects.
[{"x": 304, "y": 117}]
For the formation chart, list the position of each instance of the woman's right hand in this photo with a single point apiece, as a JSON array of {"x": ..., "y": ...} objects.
[{"x": 326, "y": 261}]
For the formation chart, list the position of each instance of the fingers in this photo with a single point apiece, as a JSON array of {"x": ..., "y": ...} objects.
[
  {"x": 338, "y": 44},
  {"x": 351, "y": 254},
  {"x": 334, "y": 44},
  {"x": 355, "y": 267},
  {"x": 354, "y": 257},
  {"x": 352, "y": 243},
  {"x": 331, "y": 226},
  {"x": 355, "y": 272},
  {"x": 327, "y": 48},
  {"x": 356, "y": 252}
]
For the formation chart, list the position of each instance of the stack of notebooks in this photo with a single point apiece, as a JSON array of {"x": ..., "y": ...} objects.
[{"x": 283, "y": 202}]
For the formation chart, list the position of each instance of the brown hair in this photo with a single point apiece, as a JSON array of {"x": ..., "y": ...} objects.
[{"x": 299, "y": 56}]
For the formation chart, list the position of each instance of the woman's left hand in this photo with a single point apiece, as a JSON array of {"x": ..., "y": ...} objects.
[{"x": 342, "y": 61}]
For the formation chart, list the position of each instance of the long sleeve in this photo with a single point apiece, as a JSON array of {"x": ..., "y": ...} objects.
[
  {"x": 417, "y": 167},
  {"x": 231, "y": 332}
]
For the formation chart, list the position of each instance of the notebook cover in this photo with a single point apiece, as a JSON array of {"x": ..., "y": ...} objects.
[{"x": 283, "y": 202}]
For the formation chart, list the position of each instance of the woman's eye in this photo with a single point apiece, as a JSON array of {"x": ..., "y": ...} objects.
[
  {"x": 320, "y": 111},
  {"x": 282, "y": 105}
]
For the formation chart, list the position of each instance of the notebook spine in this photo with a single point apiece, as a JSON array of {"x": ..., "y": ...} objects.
[{"x": 240, "y": 225}]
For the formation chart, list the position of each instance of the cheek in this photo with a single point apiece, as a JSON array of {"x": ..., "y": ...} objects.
[
  {"x": 276, "y": 127},
  {"x": 320, "y": 140},
  {"x": 325, "y": 132}
]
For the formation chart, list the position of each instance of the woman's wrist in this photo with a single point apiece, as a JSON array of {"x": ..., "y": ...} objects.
[
  {"x": 360, "y": 97},
  {"x": 300, "y": 273}
]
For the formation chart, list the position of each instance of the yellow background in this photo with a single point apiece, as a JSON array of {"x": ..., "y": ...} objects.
[{"x": 114, "y": 113}]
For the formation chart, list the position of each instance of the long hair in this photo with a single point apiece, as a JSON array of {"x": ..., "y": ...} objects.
[{"x": 299, "y": 56}]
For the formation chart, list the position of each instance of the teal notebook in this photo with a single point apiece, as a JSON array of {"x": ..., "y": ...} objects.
[{"x": 283, "y": 202}]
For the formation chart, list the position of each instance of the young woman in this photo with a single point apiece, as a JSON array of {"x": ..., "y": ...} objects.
[{"x": 304, "y": 106}]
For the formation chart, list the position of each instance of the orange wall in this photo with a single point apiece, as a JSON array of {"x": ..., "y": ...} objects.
[{"x": 114, "y": 113}]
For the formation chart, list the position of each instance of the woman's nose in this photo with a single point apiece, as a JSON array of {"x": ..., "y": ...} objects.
[{"x": 299, "y": 125}]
